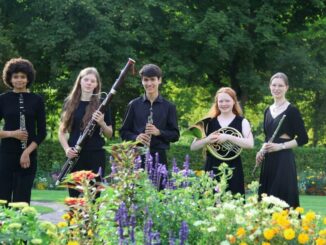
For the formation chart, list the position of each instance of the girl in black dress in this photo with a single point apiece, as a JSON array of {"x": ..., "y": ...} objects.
[
  {"x": 226, "y": 112},
  {"x": 23, "y": 131},
  {"x": 278, "y": 174},
  {"x": 80, "y": 107}
]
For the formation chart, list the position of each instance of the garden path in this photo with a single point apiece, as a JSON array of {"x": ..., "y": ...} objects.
[{"x": 54, "y": 217}]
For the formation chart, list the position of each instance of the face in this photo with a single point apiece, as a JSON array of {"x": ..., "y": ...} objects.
[
  {"x": 151, "y": 84},
  {"x": 19, "y": 81},
  {"x": 88, "y": 83},
  {"x": 225, "y": 102},
  {"x": 278, "y": 88}
]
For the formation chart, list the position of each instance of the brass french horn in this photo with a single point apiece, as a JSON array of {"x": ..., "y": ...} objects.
[{"x": 225, "y": 151}]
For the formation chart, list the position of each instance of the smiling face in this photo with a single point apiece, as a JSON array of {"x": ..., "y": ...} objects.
[
  {"x": 225, "y": 102},
  {"x": 19, "y": 81},
  {"x": 88, "y": 83},
  {"x": 151, "y": 84},
  {"x": 278, "y": 88}
]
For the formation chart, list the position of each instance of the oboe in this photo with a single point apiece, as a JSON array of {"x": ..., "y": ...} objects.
[
  {"x": 92, "y": 124},
  {"x": 263, "y": 152},
  {"x": 22, "y": 121}
]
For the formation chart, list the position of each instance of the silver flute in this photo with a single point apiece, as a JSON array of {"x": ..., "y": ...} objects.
[{"x": 22, "y": 121}]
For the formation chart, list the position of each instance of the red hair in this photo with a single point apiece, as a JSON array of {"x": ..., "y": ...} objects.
[{"x": 215, "y": 111}]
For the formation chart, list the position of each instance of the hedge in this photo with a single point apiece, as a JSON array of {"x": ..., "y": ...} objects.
[{"x": 51, "y": 157}]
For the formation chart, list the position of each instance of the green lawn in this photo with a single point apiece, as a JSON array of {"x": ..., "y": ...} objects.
[
  {"x": 315, "y": 203},
  {"x": 49, "y": 195}
]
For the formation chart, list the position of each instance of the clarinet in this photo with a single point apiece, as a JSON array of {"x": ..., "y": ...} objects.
[
  {"x": 149, "y": 121},
  {"x": 92, "y": 124},
  {"x": 22, "y": 121},
  {"x": 263, "y": 152}
]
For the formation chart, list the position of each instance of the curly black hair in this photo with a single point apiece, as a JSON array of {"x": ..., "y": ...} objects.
[{"x": 16, "y": 65}]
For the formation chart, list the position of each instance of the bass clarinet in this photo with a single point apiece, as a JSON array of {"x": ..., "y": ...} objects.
[{"x": 91, "y": 125}]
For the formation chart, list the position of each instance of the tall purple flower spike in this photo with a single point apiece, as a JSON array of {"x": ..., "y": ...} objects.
[
  {"x": 121, "y": 217},
  {"x": 137, "y": 163},
  {"x": 175, "y": 168},
  {"x": 148, "y": 232},
  {"x": 132, "y": 222},
  {"x": 183, "y": 233},
  {"x": 113, "y": 166},
  {"x": 186, "y": 166}
]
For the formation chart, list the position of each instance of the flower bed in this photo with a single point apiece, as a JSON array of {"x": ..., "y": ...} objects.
[{"x": 193, "y": 208}]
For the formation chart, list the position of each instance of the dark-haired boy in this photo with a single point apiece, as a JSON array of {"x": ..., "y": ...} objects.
[{"x": 164, "y": 129}]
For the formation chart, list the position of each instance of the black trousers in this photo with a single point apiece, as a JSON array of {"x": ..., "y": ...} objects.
[
  {"x": 16, "y": 182},
  {"x": 89, "y": 160}
]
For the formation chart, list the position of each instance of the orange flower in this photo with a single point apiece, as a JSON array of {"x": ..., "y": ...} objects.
[
  {"x": 83, "y": 175},
  {"x": 72, "y": 201}
]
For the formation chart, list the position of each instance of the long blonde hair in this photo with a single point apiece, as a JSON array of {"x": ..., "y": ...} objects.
[
  {"x": 215, "y": 111},
  {"x": 73, "y": 99}
]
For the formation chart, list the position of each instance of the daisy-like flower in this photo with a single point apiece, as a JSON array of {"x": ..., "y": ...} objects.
[
  {"x": 303, "y": 238},
  {"x": 72, "y": 201},
  {"x": 18, "y": 204},
  {"x": 79, "y": 176},
  {"x": 289, "y": 234}
]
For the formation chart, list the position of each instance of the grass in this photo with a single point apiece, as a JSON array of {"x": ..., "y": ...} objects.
[
  {"x": 314, "y": 203},
  {"x": 49, "y": 195},
  {"x": 42, "y": 209}
]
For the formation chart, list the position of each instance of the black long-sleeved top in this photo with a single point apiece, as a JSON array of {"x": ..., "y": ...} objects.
[
  {"x": 164, "y": 118},
  {"x": 96, "y": 142},
  {"x": 34, "y": 119},
  {"x": 293, "y": 125}
]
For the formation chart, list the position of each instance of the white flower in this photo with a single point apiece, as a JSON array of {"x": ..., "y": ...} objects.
[
  {"x": 211, "y": 229},
  {"x": 199, "y": 222},
  {"x": 225, "y": 243},
  {"x": 219, "y": 217},
  {"x": 276, "y": 201},
  {"x": 240, "y": 220}
]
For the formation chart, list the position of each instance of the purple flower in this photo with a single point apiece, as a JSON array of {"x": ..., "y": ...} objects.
[
  {"x": 138, "y": 163},
  {"x": 183, "y": 233},
  {"x": 175, "y": 168},
  {"x": 186, "y": 166}
]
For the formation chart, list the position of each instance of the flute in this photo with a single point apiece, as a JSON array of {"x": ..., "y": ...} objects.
[{"x": 263, "y": 152}]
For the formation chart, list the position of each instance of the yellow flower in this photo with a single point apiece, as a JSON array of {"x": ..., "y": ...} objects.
[
  {"x": 269, "y": 234},
  {"x": 18, "y": 204},
  {"x": 66, "y": 216},
  {"x": 36, "y": 241},
  {"x": 199, "y": 172},
  {"x": 243, "y": 243},
  {"x": 90, "y": 233},
  {"x": 73, "y": 221},
  {"x": 320, "y": 241},
  {"x": 289, "y": 234},
  {"x": 29, "y": 210},
  {"x": 303, "y": 238},
  {"x": 265, "y": 243},
  {"x": 310, "y": 216},
  {"x": 322, "y": 232},
  {"x": 300, "y": 210},
  {"x": 15, "y": 226},
  {"x": 3, "y": 201},
  {"x": 241, "y": 232},
  {"x": 325, "y": 221},
  {"x": 73, "y": 243},
  {"x": 62, "y": 224}
]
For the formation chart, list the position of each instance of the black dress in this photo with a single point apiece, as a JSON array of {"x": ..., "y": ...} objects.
[
  {"x": 236, "y": 182},
  {"x": 93, "y": 156},
  {"x": 278, "y": 175}
]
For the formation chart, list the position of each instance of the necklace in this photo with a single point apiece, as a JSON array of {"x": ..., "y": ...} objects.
[{"x": 276, "y": 108}]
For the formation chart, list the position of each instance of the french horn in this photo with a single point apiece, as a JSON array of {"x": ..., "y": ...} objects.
[{"x": 225, "y": 151}]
